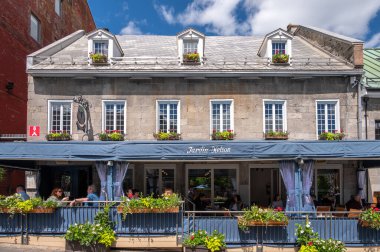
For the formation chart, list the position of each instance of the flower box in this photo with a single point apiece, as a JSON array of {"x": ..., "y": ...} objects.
[
  {"x": 200, "y": 249},
  {"x": 162, "y": 136},
  {"x": 269, "y": 136},
  {"x": 191, "y": 59},
  {"x": 150, "y": 210},
  {"x": 111, "y": 136},
  {"x": 223, "y": 135},
  {"x": 58, "y": 136},
  {"x": 280, "y": 59},
  {"x": 253, "y": 223},
  {"x": 330, "y": 136},
  {"x": 98, "y": 59},
  {"x": 43, "y": 210},
  {"x": 76, "y": 246}
]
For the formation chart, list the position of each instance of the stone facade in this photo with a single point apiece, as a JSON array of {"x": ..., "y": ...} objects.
[{"x": 194, "y": 97}]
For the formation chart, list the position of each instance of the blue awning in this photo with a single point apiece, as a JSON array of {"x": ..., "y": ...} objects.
[{"x": 189, "y": 150}]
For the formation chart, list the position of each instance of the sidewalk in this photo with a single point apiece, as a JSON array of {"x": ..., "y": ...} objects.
[{"x": 6, "y": 247}]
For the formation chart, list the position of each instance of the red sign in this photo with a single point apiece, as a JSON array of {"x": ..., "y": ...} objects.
[{"x": 34, "y": 131}]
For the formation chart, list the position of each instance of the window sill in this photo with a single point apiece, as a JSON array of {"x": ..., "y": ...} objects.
[
  {"x": 280, "y": 64},
  {"x": 100, "y": 63}
]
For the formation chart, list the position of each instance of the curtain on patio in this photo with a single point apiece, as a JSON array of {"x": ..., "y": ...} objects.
[
  {"x": 287, "y": 169},
  {"x": 121, "y": 169},
  {"x": 307, "y": 181},
  {"x": 101, "y": 168},
  {"x": 361, "y": 183}
]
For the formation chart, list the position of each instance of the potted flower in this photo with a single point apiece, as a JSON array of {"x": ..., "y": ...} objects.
[
  {"x": 256, "y": 216},
  {"x": 309, "y": 241},
  {"x": 280, "y": 58},
  {"x": 114, "y": 135},
  {"x": 276, "y": 135},
  {"x": 370, "y": 218},
  {"x": 97, "y": 236},
  {"x": 98, "y": 58},
  {"x": 15, "y": 204},
  {"x": 58, "y": 136},
  {"x": 171, "y": 135},
  {"x": 148, "y": 204},
  {"x": 332, "y": 136},
  {"x": 223, "y": 135},
  {"x": 201, "y": 241},
  {"x": 191, "y": 58}
]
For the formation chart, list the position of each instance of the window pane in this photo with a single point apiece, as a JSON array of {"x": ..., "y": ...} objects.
[
  {"x": 152, "y": 183},
  {"x": 321, "y": 118},
  {"x": 377, "y": 129},
  {"x": 114, "y": 111},
  {"x": 167, "y": 179},
  {"x": 226, "y": 117},
  {"x": 190, "y": 47},
  {"x": 34, "y": 27},
  {"x": 173, "y": 118},
  {"x": 331, "y": 117},
  {"x": 60, "y": 117},
  {"x": 278, "y": 117},
  {"x": 328, "y": 185},
  {"x": 278, "y": 48},
  {"x": 101, "y": 47},
  {"x": 268, "y": 117},
  {"x": 163, "y": 116},
  {"x": 66, "y": 120},
  {"x": 200, "y": 187},
  {"x": 58, "y": 7},
  {"x": 327, "y": 121},
  {"x": 225, "y": 186},
  {"x": 216, "y": 117},
  {"x": 109, "y": 117},
  {"x": 128, "y": 181}
]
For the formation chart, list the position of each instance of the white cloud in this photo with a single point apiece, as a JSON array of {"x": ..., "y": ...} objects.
[
  {"x": 166, "y": 12},
  {"x": 374, "y": 42},
  {"x": 347, "y": 17},
  {"x": 131, "y": 28}
]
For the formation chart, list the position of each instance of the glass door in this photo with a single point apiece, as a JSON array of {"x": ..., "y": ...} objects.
[{"x": 157, "y": 179}]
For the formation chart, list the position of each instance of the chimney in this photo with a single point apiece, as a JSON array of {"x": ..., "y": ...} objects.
[{"x": 292, "y": 28}]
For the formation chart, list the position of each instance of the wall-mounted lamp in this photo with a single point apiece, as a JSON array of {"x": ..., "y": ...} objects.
[
  {"x": 110, "y": 163},
  {"x": 300, "y": 161},
  {"x": 10, "y": 85}
]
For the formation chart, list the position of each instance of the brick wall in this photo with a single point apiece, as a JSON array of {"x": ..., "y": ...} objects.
[{"x": 17, "y": 44}]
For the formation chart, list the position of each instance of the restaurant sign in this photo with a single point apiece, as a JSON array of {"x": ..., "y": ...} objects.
[{"x": 208, "y": 150}]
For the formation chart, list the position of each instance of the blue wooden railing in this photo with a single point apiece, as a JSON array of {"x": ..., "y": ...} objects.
[{"x": 181, "y": 224}]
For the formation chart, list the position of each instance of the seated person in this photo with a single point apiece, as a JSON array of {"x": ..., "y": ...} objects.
[
  {"x": 135, "y": 194},
  {"x": 354, "y": 203},
  {"x": 58, "y": 196},
  {"x": 236, "y": 203},
  {"x": 168, "y": 191},
  {"x": 20, "y": 189},
  {"x": 91, "y": 196},
  {"x": 277, "y": 202},
  {"x": 200, "y": 202}
]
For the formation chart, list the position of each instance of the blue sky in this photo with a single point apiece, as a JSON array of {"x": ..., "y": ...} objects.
[{"x": 354, "y": 18}]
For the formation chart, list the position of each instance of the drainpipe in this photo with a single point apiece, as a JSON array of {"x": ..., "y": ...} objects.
[
  {"x": 357, "y": 82},
  {"x": 365, "y": 99}
]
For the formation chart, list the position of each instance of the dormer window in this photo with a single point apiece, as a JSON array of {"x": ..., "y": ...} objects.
[
  {"x": 277, "y": 47},
  {"x": 102, "y": 47},
  {"x": 191, "y": 47}
]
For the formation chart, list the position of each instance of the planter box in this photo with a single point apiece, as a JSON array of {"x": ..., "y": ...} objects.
[
  {"x": 265, "y": 224},
  {"x": 280, "y": 64},
  {"x": 42, "y": 210},
  {"x": 275, "y": 137},
  {"x": 200, "y": 249},
  {"x": 75, "y": 246},
  {"x": 147, "y": 210},
  {"x": 190, "y": 62},
  {"x": 100, "y": 63},
  {"x": 58, "y": 138}
]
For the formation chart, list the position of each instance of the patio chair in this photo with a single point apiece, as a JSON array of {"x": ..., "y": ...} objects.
[
  {"x": 339, "y": 209},
  {"x": 354, "y": 213},
  {"x": 321, "y": 210}
]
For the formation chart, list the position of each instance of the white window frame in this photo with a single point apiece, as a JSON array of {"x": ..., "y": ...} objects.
[
  {"x": 278, "y": 42},
  {"x": 178, "y": 102},
  {"x": 58, "y": 7},
  {"x": 284, "y": 120},
  {"x": 329, "y": 167},
  {"x": 160, "y": 167},
  {"x": 222, "y": 101},
  {"x": 195, "y": 41},
  {"x": 104, "y": 102},
  {"x": 32, "y": 16},
  {"x": 50, "y": 116},
  {"x": 337, "y": 114},
  {"x": 101, "y": 41},
  {"x": 213, "y": 167}
]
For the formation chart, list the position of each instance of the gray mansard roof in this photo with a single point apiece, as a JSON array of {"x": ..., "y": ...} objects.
[{"x": 159, "y": 54}]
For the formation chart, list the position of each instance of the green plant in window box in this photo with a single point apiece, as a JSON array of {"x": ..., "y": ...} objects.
[
  {"x": 280, "y": 58},
  {"x": 256, "y": 216},
  {"x": 98, "y": 58},
  {"x": 167, "y": 135},
  {"x": 15, "y": 204},
  {"x": 223, "y": 135},
  {"x": 370, "y": 218},
  {"x": 276, "y": 135},
  {"x": 58, "y": 136},
  {"x": 114, "y": 135},
  {"x": 332, "y": 136},
  {"x": 191, "y": 58}
]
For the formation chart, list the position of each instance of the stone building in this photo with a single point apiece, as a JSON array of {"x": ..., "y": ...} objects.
[{"x": 295, "y": 85}]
